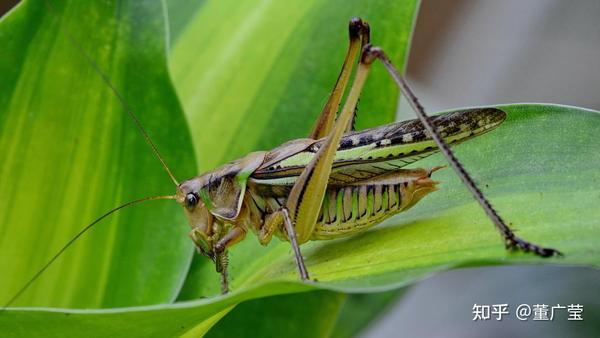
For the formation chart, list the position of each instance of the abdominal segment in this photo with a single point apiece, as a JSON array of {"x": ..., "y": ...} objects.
[{"x": 352, "y": 209}]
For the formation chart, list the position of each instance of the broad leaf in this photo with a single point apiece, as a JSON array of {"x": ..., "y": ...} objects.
[
  {"x": 69, "y": 153},
  {"x": 539, "y": 169},
  {"x": 531, "y": 168},
  {"x": 299, "y": 315},
  {"x": 360, "y": 309}
]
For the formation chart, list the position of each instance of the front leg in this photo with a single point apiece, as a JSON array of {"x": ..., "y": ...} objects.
[
  {"x": 235, "y": 235},
  {"x": 201, "y": 241}
]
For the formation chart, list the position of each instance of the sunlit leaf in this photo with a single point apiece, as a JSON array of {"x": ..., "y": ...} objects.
[
  {"x": 530, "y": 167},
  {"x": 69, "y": 153},
  {"x": 532, "y": 170}
]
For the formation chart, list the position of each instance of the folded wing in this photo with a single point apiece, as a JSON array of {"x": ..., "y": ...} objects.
[{"x": 369, "y": 153}]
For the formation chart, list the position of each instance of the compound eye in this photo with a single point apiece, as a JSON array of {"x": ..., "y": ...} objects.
[{"x": 191, "y": 200}]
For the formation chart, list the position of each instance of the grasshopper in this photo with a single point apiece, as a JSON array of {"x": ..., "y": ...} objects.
[{"x": 335, "y": 183}]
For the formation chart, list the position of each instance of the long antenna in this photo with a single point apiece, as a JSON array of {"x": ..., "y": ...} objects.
[
  {"x": 126, "y": 107},
  {"x": 70, "y": 242},
  {"x": 139, "y": 126}
]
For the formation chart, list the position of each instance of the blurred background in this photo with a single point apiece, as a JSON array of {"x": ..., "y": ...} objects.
[{"x": 482, "y": 52}]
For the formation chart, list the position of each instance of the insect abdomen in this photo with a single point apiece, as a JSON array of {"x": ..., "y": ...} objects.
[{"x": 351, "y": 209}]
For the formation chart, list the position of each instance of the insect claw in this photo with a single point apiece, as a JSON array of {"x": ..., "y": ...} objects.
[
  {"x": 549, "y": 252},
  {"x": 205, "y": 253},
  {"x": 509, "y": 245},
  {"x": 515, "y": 243}
]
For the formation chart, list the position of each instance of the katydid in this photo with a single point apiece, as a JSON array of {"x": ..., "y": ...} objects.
[{"x": 337, "y": 182}]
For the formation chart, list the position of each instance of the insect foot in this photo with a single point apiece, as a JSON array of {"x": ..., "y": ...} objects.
[{"x": 516, "y": 243}]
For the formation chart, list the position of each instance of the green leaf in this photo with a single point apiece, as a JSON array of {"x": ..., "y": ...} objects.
[
  {"x": 299, "y": 315},
  {"x": 69, "y": 153},
  {"x": 360, "y": 309},
  {"x": 531, "y": 168},
  {"x": 189, "y": 319},
  {"x": 532, "y": 171}
]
